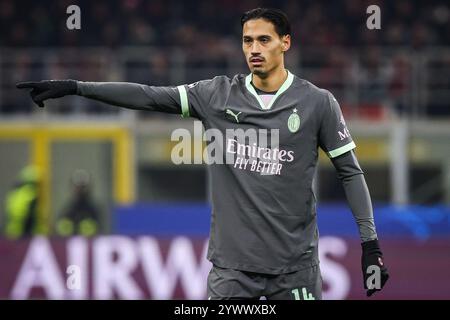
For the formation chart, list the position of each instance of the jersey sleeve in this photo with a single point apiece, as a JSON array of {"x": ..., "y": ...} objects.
[
  {"x": 196, "y": 97},
  {"x": 334, "y": 136},
  {"x": 133, "y": 95}
]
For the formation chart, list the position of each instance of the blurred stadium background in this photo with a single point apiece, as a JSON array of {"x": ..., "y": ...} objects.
[{"x": 143, "y": 220}]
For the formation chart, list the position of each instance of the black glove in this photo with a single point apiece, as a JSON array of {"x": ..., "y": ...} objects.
[
  {"x": 372, "y": 256},
  {"x": 49, "y": 89}
]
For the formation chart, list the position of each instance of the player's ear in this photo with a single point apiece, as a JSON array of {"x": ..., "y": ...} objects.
[{"x": 286, "y": 42}]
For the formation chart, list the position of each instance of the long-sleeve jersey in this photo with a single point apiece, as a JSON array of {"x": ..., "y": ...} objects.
[{"x": 263, "y": 204}]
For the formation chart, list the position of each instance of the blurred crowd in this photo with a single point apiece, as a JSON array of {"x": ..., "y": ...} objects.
[
  {"x": 208, "y": 34},
  {"x": 169, "y": 22}
]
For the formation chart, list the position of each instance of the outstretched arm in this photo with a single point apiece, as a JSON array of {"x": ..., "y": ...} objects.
[
  {"x": 122, "y": 94},
  {"x": 132, "y": 95}
]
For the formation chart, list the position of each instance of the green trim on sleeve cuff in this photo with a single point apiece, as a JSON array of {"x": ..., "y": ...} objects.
[
  {"x": 184, "y": 102},
  {"x": 337, "y": 152}
]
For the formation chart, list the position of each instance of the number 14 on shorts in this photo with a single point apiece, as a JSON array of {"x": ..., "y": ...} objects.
[{"x": 305, "y": 295}]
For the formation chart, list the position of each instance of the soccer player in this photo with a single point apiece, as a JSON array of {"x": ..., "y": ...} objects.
[{"x": 263, "y": 237}]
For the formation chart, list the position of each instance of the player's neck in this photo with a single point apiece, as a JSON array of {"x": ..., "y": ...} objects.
[{"x": 273, "y": 82}]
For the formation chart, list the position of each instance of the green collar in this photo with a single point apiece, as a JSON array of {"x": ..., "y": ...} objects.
[{"x": 287, "y": 83}]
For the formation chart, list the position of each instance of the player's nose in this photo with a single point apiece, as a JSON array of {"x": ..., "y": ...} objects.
[{"x": 256, "y": 48}]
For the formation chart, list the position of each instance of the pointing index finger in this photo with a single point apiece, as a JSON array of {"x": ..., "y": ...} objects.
[{"x": 29, "y": 84}]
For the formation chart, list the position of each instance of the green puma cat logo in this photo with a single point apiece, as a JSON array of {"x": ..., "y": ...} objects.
[{"x": 228, "y": 111}]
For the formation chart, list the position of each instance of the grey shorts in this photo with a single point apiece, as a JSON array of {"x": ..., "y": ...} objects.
[{"x": 304, "y": 284}]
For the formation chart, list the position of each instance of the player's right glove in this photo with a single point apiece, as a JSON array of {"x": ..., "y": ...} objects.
[
  {"x": 49, "y": 89},
  {"x": 375, "y": 273}
]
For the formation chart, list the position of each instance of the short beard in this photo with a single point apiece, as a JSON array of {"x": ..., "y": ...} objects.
[{"x": 261, "y": 74}]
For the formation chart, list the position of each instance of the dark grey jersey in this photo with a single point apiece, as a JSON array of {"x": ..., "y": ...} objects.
[{"x": 263, "y": 207}]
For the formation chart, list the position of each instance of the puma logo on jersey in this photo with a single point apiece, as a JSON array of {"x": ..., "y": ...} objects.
[{"x": 234, "y": 115}]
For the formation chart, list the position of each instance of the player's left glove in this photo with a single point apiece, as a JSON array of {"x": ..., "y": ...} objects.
[{"x": 375, "y": 273}]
